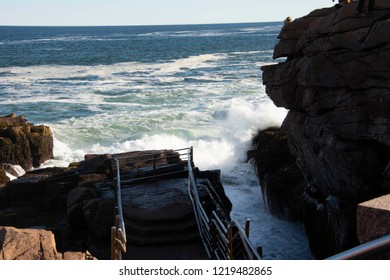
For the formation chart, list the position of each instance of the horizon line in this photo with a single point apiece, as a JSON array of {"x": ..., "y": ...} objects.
[{"x": 136, "y": 25}]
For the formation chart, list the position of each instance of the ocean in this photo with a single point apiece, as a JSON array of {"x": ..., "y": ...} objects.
[{"x": 124, "y": 88}]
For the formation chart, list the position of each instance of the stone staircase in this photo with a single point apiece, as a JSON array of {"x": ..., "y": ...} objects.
[
  {"x": 176, "y": 225},
  {"x": 159, "y": 218}
]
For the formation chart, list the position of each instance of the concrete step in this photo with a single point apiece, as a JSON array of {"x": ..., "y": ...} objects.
[
  {"x": 178, "y": 251},
  {"x": 160, "y": 171},
  {"x": 138, "y": 228},
  {"x": 172, "y": 213},
  {"x": 162, "y": 239}
]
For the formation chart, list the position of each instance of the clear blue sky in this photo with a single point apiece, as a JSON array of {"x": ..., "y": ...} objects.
[{"x": 151, "y": 12}]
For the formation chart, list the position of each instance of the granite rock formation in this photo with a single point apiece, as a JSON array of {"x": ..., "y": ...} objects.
[
  {"x": 335, "y": 83},
  {"x": 75, "y": 203},
  {"x": 373, "y": 219},
  {"x": 280, "y": 179},
  {"x": 33, "y": 244},
  {"x": 24, "y": 144}
]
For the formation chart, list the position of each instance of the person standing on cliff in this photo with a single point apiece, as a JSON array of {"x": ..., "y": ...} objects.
[
  {"x": 288, "y": 20},
  {"x": 341, "y": 3}
]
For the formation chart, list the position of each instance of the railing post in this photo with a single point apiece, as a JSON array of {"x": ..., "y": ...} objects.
[
  {"x": 247, "y": 227},
  {"x": 118, "y": 233},
  {"x": 229, "y": 253},
  {"x": 113, "y": 243},
  {"x": 117, "y": 221}
]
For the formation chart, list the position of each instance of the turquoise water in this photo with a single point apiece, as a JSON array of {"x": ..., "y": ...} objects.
[{"x": 115, "y": 89}]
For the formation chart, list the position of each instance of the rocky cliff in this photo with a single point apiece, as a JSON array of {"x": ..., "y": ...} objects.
[
  {"x": 335, "y": 82},
  {"x": 24, "y": 144}
]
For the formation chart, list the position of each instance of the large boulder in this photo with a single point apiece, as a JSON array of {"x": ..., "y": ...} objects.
[
  {"x": 33, "y": 244},
  {"x": 27, "y": 244},
  {"x": 24, "y": 144},
  {"x": 280, "y": 179},
  {"x": 373, "y": 218},
  {"x": 335, "y": 81}
]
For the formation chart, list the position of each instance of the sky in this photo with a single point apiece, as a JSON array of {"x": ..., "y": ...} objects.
[{"x": 150, "y": 12}]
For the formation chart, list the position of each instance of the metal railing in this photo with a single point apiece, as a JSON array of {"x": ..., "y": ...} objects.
[
  {"x": 153, "y": 164},
  {"x": 229, "y": 242},
  {"x": 221, "y": 239},
  {"x": 118, "y": 231},
  {"x": 365, "y": 251}
]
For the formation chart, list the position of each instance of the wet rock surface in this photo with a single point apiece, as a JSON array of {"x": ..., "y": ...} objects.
[{"x": 280, "y": 179}]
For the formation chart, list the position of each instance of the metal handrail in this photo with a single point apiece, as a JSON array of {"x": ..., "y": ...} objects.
[
  {"x": 118, "y": 232},
  {"x": 144, "y": 153},
  {"x": 217, "y": 245},
  {"x": 365, "y": 251},
  {"x": 217, "y": 237},
  {"x": 146, "y": 156},
  {"x": 243, "y": 237},
  {"x": 200, "y": 214},
  {"x": 119, "y": 199},
  {"x": 150, "y": 177}
]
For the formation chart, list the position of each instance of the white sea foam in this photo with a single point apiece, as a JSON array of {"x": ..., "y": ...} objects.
[
  {"x": 182, "y": 112},
  {"x": 213, "y": 32},
  {"x": 103, "y": 74},
  {"x": 11, "y": 177},
  {"x": 197, "y": 33},
  {"x": 63, "y": 155},
  {"x": 18, "y": 170},
  {"x": 252, "y": 52},
  {"x": 63, "y": 39},
  {"x": 242, "y": 187},
  {"x": 191, "y": 62},
  {"x": 219, "y": 145}
]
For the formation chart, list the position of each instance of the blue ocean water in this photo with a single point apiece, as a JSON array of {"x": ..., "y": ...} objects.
[{"x": 116, "y": 89}]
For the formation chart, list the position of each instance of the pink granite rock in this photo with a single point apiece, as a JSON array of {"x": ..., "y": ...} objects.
[
  {"x": 373, "y": 218},
  {"x": 33, "y": 244}
]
